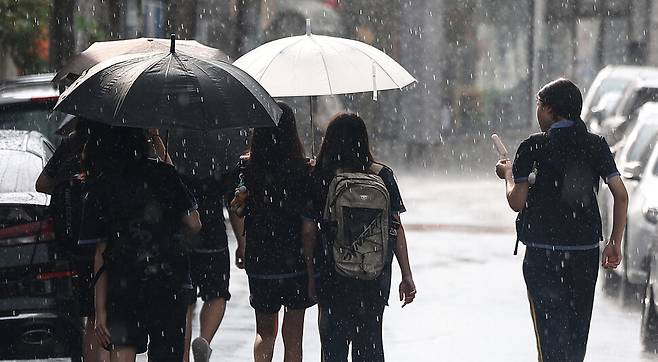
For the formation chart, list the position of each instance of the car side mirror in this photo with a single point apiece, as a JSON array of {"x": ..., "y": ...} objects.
[
  {"x": 632, "y": 171},
  {"x": 599, "y": 113}
]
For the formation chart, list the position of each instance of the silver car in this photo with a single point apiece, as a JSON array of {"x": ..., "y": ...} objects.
[{"x": 636, "y": 160}]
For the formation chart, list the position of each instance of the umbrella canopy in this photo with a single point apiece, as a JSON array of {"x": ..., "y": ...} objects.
[
  {"x": 100, "y": 51},
  {"x": 316, "y": 65},
  {"x": 169, "y": 90}
]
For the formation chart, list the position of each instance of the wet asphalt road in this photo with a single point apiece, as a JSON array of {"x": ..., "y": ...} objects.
[{"x": 471, "y": 303}]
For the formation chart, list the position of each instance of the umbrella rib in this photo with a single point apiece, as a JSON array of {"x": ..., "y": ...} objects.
[
  {"x": 324, "y": 64},
  {"x": 203, "y": 108},
  {"x": 120, "y": 104},
  {"x": 376, "y": 62},
  {"x": 277, "y": 54}
]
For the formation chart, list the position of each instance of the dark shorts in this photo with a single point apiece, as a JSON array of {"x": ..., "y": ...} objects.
[
  {"x": 210, "y": 273},
  {"x": 84, "y": 290},
  {"x": 83, "y": 265},
  {"x": 268, "y": 295},
  {"x": 155, "y": 319}
]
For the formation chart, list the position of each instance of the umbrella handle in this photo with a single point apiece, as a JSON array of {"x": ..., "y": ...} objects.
[
  {"x": 172, "y": 49},
  {"x": 312, "y": 126},
  {"x": 374, "y": 82}
]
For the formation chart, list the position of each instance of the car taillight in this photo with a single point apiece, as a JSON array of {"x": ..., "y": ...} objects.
[
  {"x": 55, "y": 275},
  {"x": 34, "y": 232},
  {"x": 47, "y": 99}
]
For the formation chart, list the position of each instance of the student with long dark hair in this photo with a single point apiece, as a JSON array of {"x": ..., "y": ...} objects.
[
  {"x": 276, "y": 177},
  {"x": 137, "y": 212},
  {"x": 552, "y": 184},
  {"x": 357, "y": 203},
  {"x": 62, "y": 179}
]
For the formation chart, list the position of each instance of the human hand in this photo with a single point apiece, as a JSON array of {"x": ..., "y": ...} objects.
[
  {"x": 611, "y": 256},
  {"x": 502, "y": 167},
  {"x": 407, "y": 290},
  {"x": 100, "y": 328},
  {"x": 239, "y": 257}
]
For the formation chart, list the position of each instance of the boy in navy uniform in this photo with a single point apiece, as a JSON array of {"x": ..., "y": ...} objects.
[{"x": 553, "y": 184}]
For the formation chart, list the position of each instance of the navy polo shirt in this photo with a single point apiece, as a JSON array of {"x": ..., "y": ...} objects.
[{"x": 561, "y": 212}]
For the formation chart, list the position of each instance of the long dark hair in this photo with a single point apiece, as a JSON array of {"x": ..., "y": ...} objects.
[
  {"x": 277, "y": 149},
  {"x": 276, "y": 157},
  {"x": 345, "y": 146},
  {"x": 112, "y": 149},
  {"x": 564, "y": 99}
]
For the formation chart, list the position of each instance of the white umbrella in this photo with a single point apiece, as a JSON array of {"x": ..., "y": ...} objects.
[{"x": 317, "y": 65}]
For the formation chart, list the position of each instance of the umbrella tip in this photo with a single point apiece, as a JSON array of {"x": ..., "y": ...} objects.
[
  {"x": 173, "y": 43},
  {"x": 308, "y": 26}
]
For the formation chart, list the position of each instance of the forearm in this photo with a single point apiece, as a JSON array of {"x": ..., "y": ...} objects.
[
  {"x": 402, "y": 254},
  {"x": 516, "y": 194},
  {"x": 45, "y": 184},
  {"x": 237, "y": 223},
  {"x": 618, "y": 220}
]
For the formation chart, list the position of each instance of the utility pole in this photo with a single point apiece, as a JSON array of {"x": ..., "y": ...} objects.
[
  {"x": 62, "y": 41},
  {"x": 539, "y": 59},
  {"x": 247, "y": 27},
  {"x": 652, "y": 56}
]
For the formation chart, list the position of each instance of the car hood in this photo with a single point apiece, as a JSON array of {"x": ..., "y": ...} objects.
[{"x": 31, "y": 198}]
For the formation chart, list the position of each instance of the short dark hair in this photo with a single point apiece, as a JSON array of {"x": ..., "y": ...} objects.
[{"x": 564, "y": 98}]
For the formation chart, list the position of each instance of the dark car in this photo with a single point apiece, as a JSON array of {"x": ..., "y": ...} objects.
[
  {"x": 26, "y": 102},
  {"x": 38, "y": 309}
]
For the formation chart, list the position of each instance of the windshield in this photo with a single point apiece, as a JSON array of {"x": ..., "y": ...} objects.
[
  {"x": 19, "y": 171},
  {"x": 637, "y": 100},
  {"x": 641, "y": 147},
  {"x": 32, "y": 118},
  {"x": 609, "y": 85}
]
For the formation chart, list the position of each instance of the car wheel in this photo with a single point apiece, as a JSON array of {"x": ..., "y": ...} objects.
[
  {"x": 649, "y": 327},
  {"x": 630, "y": 294}
]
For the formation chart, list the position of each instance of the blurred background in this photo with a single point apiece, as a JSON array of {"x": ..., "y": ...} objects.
[{"x": 478, "y": 63}]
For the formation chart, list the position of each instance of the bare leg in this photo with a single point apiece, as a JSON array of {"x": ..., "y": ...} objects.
[
  {"x": 292, "y": 332},
  {"x": 211, "y": 317},
  {"x": 91, "y": 349},
  {"x": 123, "y": 354},
  {"x": 188, "y": 332},
  {"x": 266, "y": 330}
]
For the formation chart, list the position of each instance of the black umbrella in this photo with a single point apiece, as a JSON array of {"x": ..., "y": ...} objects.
[
  {"x": 170, "y": 90},
  {"x": 102, "y": 50}
]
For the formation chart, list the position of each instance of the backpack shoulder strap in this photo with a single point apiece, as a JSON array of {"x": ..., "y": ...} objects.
[{"x": 376, "y": 168}]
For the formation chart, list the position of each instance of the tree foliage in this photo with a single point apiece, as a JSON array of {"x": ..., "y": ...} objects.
[{"x": 24, "y": 33}]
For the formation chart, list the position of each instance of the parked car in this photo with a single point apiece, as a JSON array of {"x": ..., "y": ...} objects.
[
  {"x": 38, "y": 310},
  {"x": 626, "y": 111},
  {"x": 649, "y": 324},
  {"x": 26, "y": 102},
  {"x": 610, "y": 80},
  {"x": 633, "y": 161}
]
